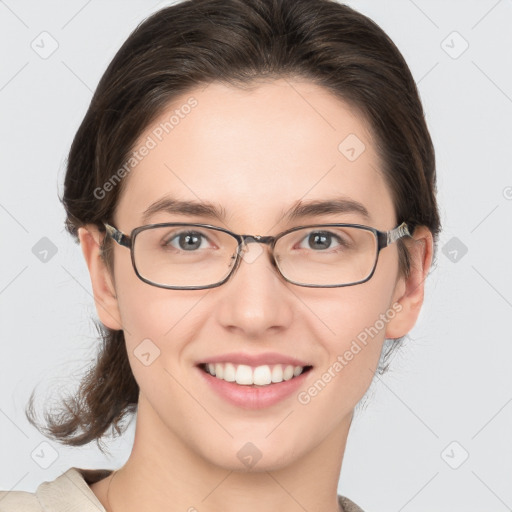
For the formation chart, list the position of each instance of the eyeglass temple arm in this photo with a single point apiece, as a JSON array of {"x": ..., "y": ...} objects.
[
  {"x": 389, "y": 237},
  {"x": 118, "y": 236}
]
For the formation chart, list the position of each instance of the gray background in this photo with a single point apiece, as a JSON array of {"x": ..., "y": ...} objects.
[{"x": 449, "y": 392}]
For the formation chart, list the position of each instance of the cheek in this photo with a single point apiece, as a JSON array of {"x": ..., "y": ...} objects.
[
  {"x": 352, "y": 329},
  {"x": 352, "y": 312},
  {"x": 355, "y": 348},
  {"x": 353, "y": 344},
  {"x": 158, "y": 325},
  {"x": 146, "y": 311}
]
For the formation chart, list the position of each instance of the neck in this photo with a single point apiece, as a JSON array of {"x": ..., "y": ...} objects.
[{"x": 164, "y": 474}]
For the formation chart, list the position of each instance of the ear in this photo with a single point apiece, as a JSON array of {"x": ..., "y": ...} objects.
[
  {"x": 409, "y": 292},
  {"x": 102, "y": 283}
]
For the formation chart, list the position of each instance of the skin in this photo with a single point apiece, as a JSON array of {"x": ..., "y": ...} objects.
[{"x": 256, "y": 153}]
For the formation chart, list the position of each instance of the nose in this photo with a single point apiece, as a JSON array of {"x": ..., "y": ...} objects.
[{"x": 256, "y": 299}]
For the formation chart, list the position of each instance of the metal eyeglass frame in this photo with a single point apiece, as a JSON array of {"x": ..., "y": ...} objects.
[{"x": 384, "y": 239}]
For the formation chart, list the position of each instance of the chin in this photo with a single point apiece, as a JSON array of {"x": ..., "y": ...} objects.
[{"x": 254, "y": 457}]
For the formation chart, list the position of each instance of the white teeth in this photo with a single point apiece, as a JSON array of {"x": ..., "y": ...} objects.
[
  {"x": 277, "y": 373},
  {"x": 219, "y": 371},
  {"x": 288, "y": 373},
  {"x": 246, "y": 375},
  {"x": 229, "y": 372},
  {"x": 262, "y": 375}
]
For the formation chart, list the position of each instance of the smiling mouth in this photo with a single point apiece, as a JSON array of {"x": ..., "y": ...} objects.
[{"x": 245, "y": 375}]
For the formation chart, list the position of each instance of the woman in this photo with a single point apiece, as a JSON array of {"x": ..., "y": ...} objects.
[{"x": 253, "y": 189}]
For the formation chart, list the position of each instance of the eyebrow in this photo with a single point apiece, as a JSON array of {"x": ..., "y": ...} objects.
[
  {"x": 174, "y": 206},
  {"x": 300, "y": 209},
  {"x": 316, "y": 208}
]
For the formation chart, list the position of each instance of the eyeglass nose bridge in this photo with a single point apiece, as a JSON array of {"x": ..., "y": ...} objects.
[
  {"x": 248, "y": 239},
  {"x": 259, "y": 239}
]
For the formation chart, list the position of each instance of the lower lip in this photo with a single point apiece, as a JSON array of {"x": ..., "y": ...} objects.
[{"x": 254, "y": 397}]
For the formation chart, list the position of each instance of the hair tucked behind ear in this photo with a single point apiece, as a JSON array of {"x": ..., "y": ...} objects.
[{"x": 235, "y": 42}]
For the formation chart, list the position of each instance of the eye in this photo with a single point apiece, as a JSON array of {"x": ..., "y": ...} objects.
[
  {"x": 186, "y": 241},
  {"x": 322, "y": 240}
]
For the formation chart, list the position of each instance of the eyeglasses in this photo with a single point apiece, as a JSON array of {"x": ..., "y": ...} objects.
[{"x": 189, "y": 256}]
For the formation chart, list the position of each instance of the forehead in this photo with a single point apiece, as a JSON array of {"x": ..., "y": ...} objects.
[{"x": 256, "y": 153}]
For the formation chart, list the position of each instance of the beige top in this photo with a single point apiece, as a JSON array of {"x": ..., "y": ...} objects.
[{"x": 70, "y": 492}]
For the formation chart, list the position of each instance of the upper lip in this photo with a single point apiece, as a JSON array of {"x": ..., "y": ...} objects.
[{"x": 267, "y": 358}]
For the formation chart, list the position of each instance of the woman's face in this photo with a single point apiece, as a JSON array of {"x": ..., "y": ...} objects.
[{"x": 255, "y": 154}]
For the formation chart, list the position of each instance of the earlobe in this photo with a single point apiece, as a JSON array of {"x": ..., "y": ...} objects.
[
  {"x": 103, "y": 287},
  {"x": 410, "y": 291}
]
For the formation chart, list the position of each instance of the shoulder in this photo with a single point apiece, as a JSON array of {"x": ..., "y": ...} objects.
[
  {"x": 19, "y": 501},
  {"x": 348, "y": 505},
  {"x": 69, "y": 491}
]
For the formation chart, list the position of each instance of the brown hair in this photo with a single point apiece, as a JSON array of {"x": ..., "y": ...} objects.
[{"x": 235, "y": 42}]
